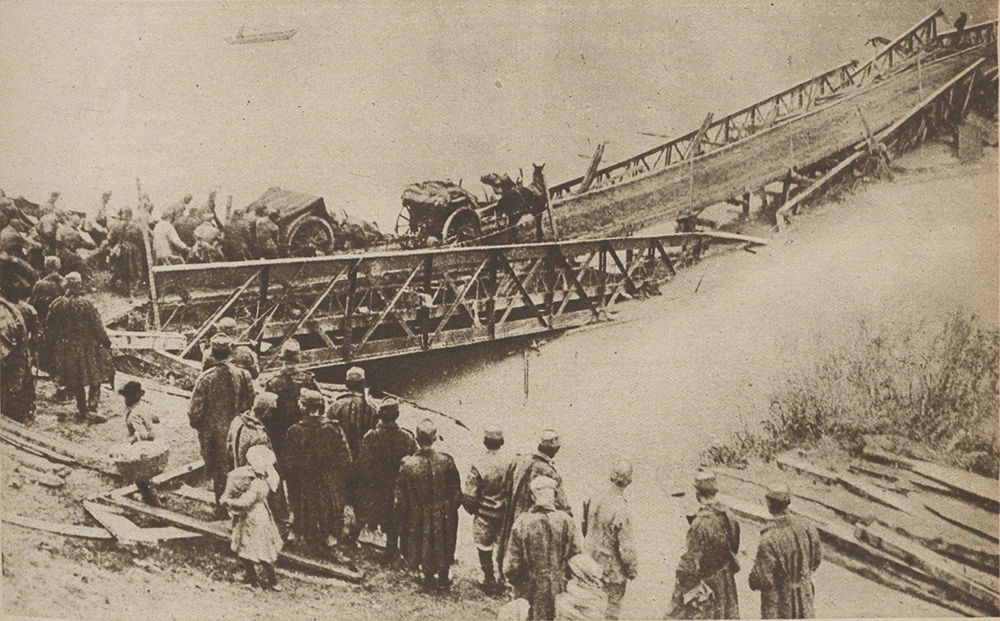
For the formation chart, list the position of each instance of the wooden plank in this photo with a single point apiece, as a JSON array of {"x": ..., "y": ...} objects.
[
  {"x": 56, "y": 446},
  {"x": 162, "y": 479},
  {"x": 968, "y": 517},
  {"x": 67, "y": 530},
  {"x": 982, "y": 489},
  {"x": 123, "y": 529},
  {"x": 196, "y": 493},
  {"x": 851, "y": 483},
  {"x": 222, "y": 532},
  {"x": 37, "y": 462},
  {"x": 45, "y": 478},
  {"x": 977, "y": 585}
]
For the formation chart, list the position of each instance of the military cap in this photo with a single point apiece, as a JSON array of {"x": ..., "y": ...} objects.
[
  {"x": 426, "y": 431},
  {"x": 308, "y": 396},
  {"x": 389, "y": 405},
  {"x": 290, "y": 350},
  {"x": 265, "y": 401},
  {"x": 221, "y": 343},
  {"x": 549, "y": 438},
  {"x": 493, "y": 433},
  {"x": 542, "y": 482},
  {"x": 779, "y": 492},
  {"x": 355, "y": 374},
  {"x": 73, "y": 279},
  {"x": 52, "y": 263},
  {"x": 226, "y": 324},
  {"x": 705, "y": 482}
]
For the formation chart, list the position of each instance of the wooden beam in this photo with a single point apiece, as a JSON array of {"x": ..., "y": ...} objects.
[
  {"x": 222, "y": 532},
  {"x": 66, "y": 530},
  {"x": 219, "y": 312},
  {"x": 388, "y": 308},
  {"x": 458, "y": 300}
]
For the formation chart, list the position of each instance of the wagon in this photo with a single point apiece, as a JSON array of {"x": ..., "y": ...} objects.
[{"x": 303, "y": 220}]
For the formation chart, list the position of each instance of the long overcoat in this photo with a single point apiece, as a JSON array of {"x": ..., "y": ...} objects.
[
  {"x": 17, "y": 382},
  {"x": 790, "y": 551},
  {"x": 541, "y": 543},
  {"x": 245, "y": 432},
  {"x": 382, "y": 451},
  {"x": 428, "y": 495},
  {"x": 712, "y": 543},
  {"x": 287, "y": 383},
  {"x": 221, "y": 393},
  {"x": 355, "y": 415},
  {"x": 81, "y": 349},
  {"x": 517, "y": 493},
  {"x": 316, "y": 468}
]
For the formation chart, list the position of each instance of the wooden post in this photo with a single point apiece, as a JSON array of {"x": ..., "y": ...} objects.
[
  {"x": 588, "y": 178},
  {"x": 265, "y": 279},
  {"x": 491, "y": 303},
  {"x": 148, "y": 249},
  {"x": 423, "y": 313},
  {"x": 348, "y": 325}
]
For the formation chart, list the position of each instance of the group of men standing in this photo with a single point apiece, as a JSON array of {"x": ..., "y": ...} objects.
[{"x": 522, "y": 513}]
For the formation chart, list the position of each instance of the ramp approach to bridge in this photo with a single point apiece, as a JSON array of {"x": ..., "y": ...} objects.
[{"x": 363, "y": 306}]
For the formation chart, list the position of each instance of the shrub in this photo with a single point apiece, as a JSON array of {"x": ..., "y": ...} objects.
[{"x": 936, "y": 386}]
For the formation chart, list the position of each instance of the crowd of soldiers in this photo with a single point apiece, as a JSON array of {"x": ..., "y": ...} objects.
[
  {"x": 335, "y": 466},
  {"x": 117, "y": 240}
]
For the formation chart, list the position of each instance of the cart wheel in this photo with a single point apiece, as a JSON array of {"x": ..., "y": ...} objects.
[
  {"x": 403, "y": 221},
  {"x": 461, "y": 226},
  {"x": 311, "y": 231}
]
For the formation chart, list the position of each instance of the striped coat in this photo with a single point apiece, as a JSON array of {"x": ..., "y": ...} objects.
[{"x": 428, "y": 494}]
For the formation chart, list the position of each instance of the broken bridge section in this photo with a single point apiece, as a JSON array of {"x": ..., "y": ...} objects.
[{"x": 356, "y": 307}]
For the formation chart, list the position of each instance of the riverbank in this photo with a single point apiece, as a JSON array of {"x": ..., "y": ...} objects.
[{"x": 673, "y": 374}]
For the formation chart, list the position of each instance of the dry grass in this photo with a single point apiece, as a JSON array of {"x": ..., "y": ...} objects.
[{"x": 935, "y": 385}]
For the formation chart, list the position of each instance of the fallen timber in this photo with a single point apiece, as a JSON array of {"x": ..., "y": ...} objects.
[
  {"x": 786, "y": 138},
  {"x": 353, "y": 307}
]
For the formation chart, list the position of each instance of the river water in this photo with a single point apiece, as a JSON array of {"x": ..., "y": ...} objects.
[{"x": 369, "y": 97}]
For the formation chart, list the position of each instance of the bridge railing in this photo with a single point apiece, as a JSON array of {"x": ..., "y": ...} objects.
[{"x": 362, "y": 306}]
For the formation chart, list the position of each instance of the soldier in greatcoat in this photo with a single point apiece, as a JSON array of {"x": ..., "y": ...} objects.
[
  {"x": 382, "y": 450},
  {"x": 241, "y": 354},
  {"x": 542, "y": 542},
  {"x": 247, "y": 430},
  {"x": 352, "y": 410},
  {"x": 428, "y": 495},
  {"x": 221, "y": 393},
  {"x": 705, "y": 587},
  {"x": 81, "y": 349},
  {"x": 48, "y": 288},
  {"x": 287, "y": 383},
  {"x": 483, "y": 498},
  {"x": 517, "y": 486},
  {"x": 789, "y": 552},
  {"x": 316, "y": 469},
  {"x": 607, "y": 529},
  {"x": 17, "y": 382}
]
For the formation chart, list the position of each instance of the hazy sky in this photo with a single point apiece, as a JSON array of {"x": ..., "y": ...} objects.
[{"x": 367, "y": 98}]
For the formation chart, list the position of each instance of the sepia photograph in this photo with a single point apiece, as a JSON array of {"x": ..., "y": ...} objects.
[{"x": 469, "y": 310}]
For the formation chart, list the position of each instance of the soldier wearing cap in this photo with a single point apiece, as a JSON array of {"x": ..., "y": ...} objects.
[
  {"x": 382, "y": 450},
  {"x": 607, "y": 529},
  {"x": 788, "y": 554},
  {"x": 222, "y": 392},
  {"x": 352, "y": 410},
  {"x": 240, "y": 354},
  {"x": 248, "y": 429},
  {"x": 80, "y": 347},
  {"x": 709, "y": 559},
  {"x": 47, "y": 288},
  {"x": 428, "y": 494},
  {"x": 542, "y": 541},
  {"x": 265, "y": 234},
  {"x": 287, "y": 383},
  {"x": 483, "y": 499},
  {"x": 316, "y": 469},
  {"x": 517, "y": 486}
]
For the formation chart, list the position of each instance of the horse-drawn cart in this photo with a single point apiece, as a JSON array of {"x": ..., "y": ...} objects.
[{"x": 441, "y": 213}]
